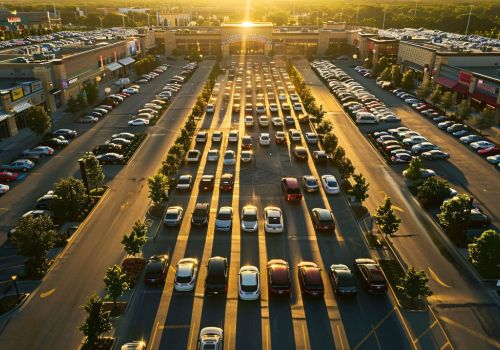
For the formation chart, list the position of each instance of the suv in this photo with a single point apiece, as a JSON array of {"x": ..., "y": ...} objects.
[
  {"x": 371, "y": 274},
  {"x": 291, "y": 189},
  {"x": 217, "y": 274},
  {"x": 200, "y": 214}
]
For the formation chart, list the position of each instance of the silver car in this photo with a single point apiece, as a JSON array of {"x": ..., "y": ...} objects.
[
  {"x": 249, "y": 219},
  {"x": 173, "y": 216},
  {"x": 185, "y": 275},
  {"x": 224, "y": 219}
]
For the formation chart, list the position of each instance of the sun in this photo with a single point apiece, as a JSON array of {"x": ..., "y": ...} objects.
[{"x": 246, "y": 24}]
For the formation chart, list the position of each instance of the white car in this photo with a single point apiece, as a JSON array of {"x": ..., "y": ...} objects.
[
  {"x": 123, "y": 135},
  {"x": 481, "y": 145},
  {"x": 213, "y": 155},
  {"x": 39, "y": 151},
  {"x": 211, "y": 338},
  {"x": 260, "y": 108},
  {"x": 229, "y": 157},
  {"x": 185, "y": 275},
  {"x": 294, "y": 135},
  {"x": 294, "y": 97},
  {"x": 282, "y": 97},
  {"x": 152, "y": 105},
  {"x": 311, "y": 138},
  {"x": 184, "y": 183},
  {"x": 273, "y": 220},
  {"x": 217, "y": 136},
  {"x": 147, "y": 111},
  {"x": 297, "y": 107},
  {"x": 131, "y": 90},
  {"x": 248, "y": 283},
  {"x": 246, "y": 156},
  {"x": 4, "y": 188},
  {"x": 263, "y": 120},
  {"x": 277, "y": 121},
  {"x": 233, "y": 136},
  {"x": 273, "y": 107},
  {"x": 138, "y": 122},
  {"x": 143, "y": 115},
  {"x": 249, "y": 219},
  {"x": 210, "y": 108},
  {"x": 414, "y": 140},
  {"x": 134, "y": 345},
  {"x": 494, "y": 159},
  {"x": 248, "y": 120},
  {"x": 330, "y": 184},
  {"x": 264, "y": 139},
  {"x": 224, "y": 219},
  {"x": 193, "y": 156}
]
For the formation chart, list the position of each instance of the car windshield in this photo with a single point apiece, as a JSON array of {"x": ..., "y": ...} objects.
[
  {"x": 154, "y": 268},
  {"x": 249, "y": 217},
  {"x": 248, "y": 288},
  {"x": 274, "y": 220},
  {"x": 171, "y": 216},
  {"x": 184, "y": 181},
  {"x": 224, "y": 216},
  {"x": 332, "y": 183},
  {"x": 210, "y": 346},
  {"x": 311, "y": 182},
  {"x": 345, "y": 280},
  {"x": 183, "y": 279}
]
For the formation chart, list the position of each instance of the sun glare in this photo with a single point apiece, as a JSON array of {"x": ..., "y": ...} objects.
[{"x": 247, "y": 24}]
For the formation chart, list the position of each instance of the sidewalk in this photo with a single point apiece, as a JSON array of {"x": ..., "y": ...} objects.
[{"x": 11, "y": 147}]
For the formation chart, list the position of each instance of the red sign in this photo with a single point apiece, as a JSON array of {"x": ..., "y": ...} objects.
[
  {"x": 12, "y": 19},
  {"x": 115, "y": 55},
  {"x": 3, "y": 28},
  {"x": 482, "y": 85},
  {"x": 464, "y": 77}
]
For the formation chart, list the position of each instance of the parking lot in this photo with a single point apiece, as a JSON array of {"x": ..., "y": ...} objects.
[{"x": 362, "y": 321}]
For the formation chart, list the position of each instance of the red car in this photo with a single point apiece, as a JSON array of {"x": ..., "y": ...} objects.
[
  {"x": 310, "y": 279},
  {"x": 278, "y": 273},
  {"x": 490, "y": 151},
  {"x": 291, "y": 189},
  {"x": 8, "y": 176}
]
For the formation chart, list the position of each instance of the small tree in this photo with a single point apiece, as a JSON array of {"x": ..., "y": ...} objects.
[
  {"x": 92, "y": 93},
  {"x": 71, "y": 198},
  {"x": 486, "y": 119},
  {"x": 116, "y": 283},
  {"x": 433, "y": 191},
  {"x": 425, "y": 88},
  {"x": 381, "y": 65},
  {"x": 360, "y": 189},
  {"x": 447, "y": 100},
  {"x": 338, "y": 155},
  {"x": 324, "y": 127},
  {"x": 385, "y": 218},
  {"x": 396, "y": 75},
  {"x": 33, "y": 238},
  {"x": 158, "y": 187},
  {"x": 38, "y": 120},
  {"x": 386, "y": 74},
  {"x": 330, "y": 142},
  {"x": 95, "y": 173},
  {"x": 453, "y": 217},
  {"x": 72, "y": 105},
  {"x": 97, "y": 323},
  {"x": 407, "y": 80},
  {"x": 464, "y": 110},
  {"x": 436, "y": 95},
  {"x": 484, "y": 254},
  {"x": 134, "y": 242},
  {"x": 414, "y": 169},
  {"x": 346, "y": 169},
  {"x": 81, "y": 99},
  {"x": 414, "y": 284}
]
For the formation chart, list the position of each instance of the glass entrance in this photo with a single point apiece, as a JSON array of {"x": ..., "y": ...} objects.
[{"x": 247, "y": 47}]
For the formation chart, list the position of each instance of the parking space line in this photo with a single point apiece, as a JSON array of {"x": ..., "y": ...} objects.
[{"x": 416, "y": 340}]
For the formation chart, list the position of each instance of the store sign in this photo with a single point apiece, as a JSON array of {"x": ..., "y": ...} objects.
[
  {"x": 482, "y": 85},
  {"x": 13, "y": 19},
  {"x": 26, "y": 89},
  {"x": 16, "y": 93},
  {"x": 64, "y": 83},
  {"x": 464, "y": 77},
  {"x": 37, "y": 85}
]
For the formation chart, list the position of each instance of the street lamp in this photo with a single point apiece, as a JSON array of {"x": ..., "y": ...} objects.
[{"x": 14, "y": 278}]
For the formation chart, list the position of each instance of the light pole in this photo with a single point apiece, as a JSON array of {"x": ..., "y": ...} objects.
[
  {"x": 14, "y": 278},
  {"x": 468, "y": 20}
]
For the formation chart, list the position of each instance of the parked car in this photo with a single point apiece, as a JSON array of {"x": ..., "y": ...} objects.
[
  {"x": 110, "y": 158},
  {"x": 106, "y": 148},
  {"x": 371, "y": 275},
  {"x": 323, "y": 219},
  {"x": 319, "y": 157},
  {"x": 185, "y": 274},
  {"x": 249, "y": 218},
  {"x": 342, "y": 280},
  {"x": 211, "y": 338},
  {"x": 156, "y": 270},
  {"x": 7, "y": 176},
  {"x": 224, "y": 219},
  {"x": 273, "y": 220},
  {"x": 330, "y": 184},
  {"x": 217, "y": 276},
  {"x": 88, "y": 119},
  {"x": 55, "y": 143},
  {"x": 310, "y": 280},
  {"x": 138, "y": 122},
  {"x": 19, "y": 165},
  {"x": 278, "y": 276},
  {"x": 200, "y": 214},
  {"x": 310, "y": 183},
  {"x": 435, "y": 155},
  {"x": 248, "y": 283},
  {"x": 173, "y": 216},
  {"x": 184, "y": 182},
  {"x": 41, "y": 151},
  {"x": 227, "y": 182},
  {"x": 66, "y": 133}
]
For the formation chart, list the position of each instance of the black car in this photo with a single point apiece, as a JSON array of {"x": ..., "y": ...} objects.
[
  {"x": 110, "y": 158},
  {"x": 207, "y": 182},
  {"x": 107, "y": 148},
  {"x": 319, "y": 157},
  {"x": 200, "y": 214},
  {"x": 217, "y": 274},
  {"x": 477, "y": 218},
  {"x": 156, "y": 270},
  {"x": 55, "y": 143}
]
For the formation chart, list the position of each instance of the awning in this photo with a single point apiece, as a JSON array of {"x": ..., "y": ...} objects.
[
  {"x": 113, "y": 66},
  {"x": 485, "y": 98},
  {"x": 21, "y": 106},
  {"x": 4, "y": 116},
  {"x": 454, "y": 85},
  {"x": 126, "y": 61}
]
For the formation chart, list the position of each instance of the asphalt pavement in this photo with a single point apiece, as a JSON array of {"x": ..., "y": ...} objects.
[
  {"x": 51, "y": 316},
  {"x": 464, "y": 306},
  {"x": 362, "y": 322}
]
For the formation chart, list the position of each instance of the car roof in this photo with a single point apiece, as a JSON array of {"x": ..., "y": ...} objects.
[
  {"x": 185, "y": 269},
  {"x": 291, "y": 182},
  {"x": 273, "y": 211},
  {"x": 323, "y": 214},
  {"x": 312, "y": 275},
  {"x": 201, "y": 206}
]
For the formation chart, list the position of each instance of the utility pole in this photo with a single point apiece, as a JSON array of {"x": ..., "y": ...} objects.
[
  {"x": 415, "y": 13},
  {"x": 385, "y": 11},
  {"x": 468, "y": 20},
  {"x": 357, "y": 13}
]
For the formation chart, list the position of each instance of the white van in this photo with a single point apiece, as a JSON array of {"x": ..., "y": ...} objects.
[{"x": 366, "y": 118}]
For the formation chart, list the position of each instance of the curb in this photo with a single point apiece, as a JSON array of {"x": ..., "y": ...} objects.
[{"x": 18, "y": 306}]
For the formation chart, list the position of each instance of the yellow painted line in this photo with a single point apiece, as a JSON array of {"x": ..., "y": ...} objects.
[
  {"x": 191, "y": 338},
  {"x": 154, "y": 336},
  {"x": 437, "y": 279},
  {"x": 306, "y": 340},
  {"x": 417, "y": 339},
  {"x": 472, "y": 332},
  {"x": 340, "y": 337},
  {"x": 395, "y": 207},
  {"x": 374, "y": 328},
  {"x": 47, "y": 293},
  {"x": 407, "y": 329},
  {"x": 176, "y": 326},
  {"x": 445, "y": 345},
  {"x": 4, "y": 210}
]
